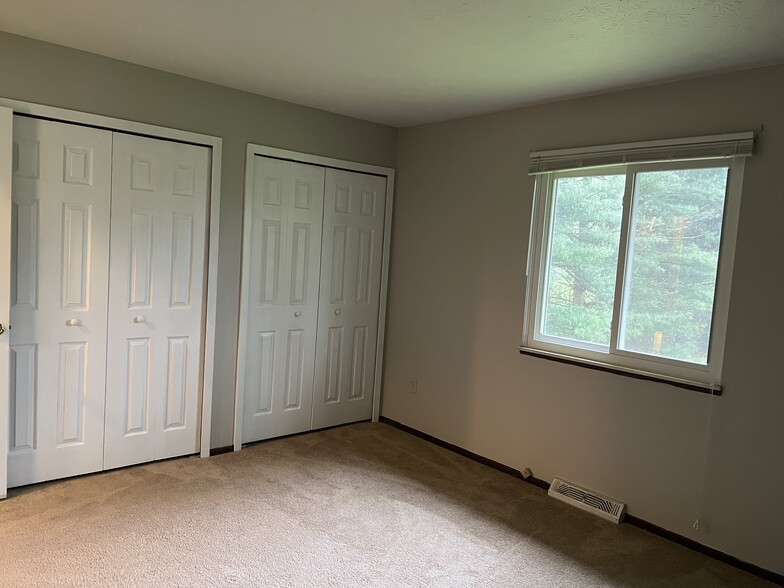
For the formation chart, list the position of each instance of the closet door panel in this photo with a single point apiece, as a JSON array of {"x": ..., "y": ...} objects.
[
  {"x": 282, "y": 299},
  {"x": 60, "y": 242},
  {"x": 354, "y": 206},
  {"x": 159, "y": 205}
]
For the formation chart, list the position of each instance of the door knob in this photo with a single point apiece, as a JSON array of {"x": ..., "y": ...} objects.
[
  {"x": 337, "y": 312},
  {"x": 298, "y": 313},
  {"x": 2, "y": 329},
  {"x": 138, "y": 319},
  {"x": 73, "y": 323}
]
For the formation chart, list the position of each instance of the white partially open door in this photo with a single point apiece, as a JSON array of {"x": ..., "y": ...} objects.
[{"x": 6, "y": 158}]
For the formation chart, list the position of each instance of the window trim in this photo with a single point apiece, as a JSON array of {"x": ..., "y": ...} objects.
[{"x": 688, "y": 375}]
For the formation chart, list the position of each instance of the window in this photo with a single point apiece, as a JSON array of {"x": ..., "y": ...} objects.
[{"x": 631, "y": 256}]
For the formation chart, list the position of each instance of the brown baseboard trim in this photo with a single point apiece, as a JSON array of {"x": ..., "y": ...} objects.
[
  {"x": 219, "y": 450},
  {"x": 465, "y": 453},
  {"x": 632, "y": 520},
  {"x": 705, "y": 550}
]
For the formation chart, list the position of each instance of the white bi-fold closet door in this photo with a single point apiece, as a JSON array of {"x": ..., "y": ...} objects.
[
  {"x": 311, "y": 297},
  {"x": 282, "y": 297},
  {"x": 156, "y": 293},
  {"x": 61, "y": 198},
  {"x": 106, "y": 299},
  {"x": 350, "y": 290}
]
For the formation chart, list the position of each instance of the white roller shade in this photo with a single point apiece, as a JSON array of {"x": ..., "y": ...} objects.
[{"x": 734, "y": 145}]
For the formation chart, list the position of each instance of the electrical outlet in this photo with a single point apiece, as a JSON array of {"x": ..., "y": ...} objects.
[{"x": 412, "y": 386}]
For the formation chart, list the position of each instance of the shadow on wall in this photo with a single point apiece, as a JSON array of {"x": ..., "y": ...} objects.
[{"x": 430, "y": 326}]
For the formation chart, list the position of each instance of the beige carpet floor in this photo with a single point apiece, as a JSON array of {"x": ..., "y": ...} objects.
[{"x": 362, "y": 505}]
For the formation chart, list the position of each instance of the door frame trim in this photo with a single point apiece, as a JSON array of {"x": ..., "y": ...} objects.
[
  {"x": 215, "y": 144},
  {"x": 6, "y": 156},
  {"x": 254, "y": 149}
]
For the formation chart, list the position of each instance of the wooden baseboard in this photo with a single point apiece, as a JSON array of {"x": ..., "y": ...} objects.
[
  {"x": 630, "y": 519},
  {"x": 465, "y": 453},
  {"x": 705, "y": 550}
]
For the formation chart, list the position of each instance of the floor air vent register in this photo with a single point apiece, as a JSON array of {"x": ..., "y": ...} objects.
[{"x": 602, "y": 506}]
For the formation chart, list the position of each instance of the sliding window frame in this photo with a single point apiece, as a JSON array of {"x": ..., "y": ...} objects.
[{"x": 686, "y": 374}]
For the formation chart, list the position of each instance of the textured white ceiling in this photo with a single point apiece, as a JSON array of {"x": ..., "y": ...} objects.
[{"x": 404, "y": 62}]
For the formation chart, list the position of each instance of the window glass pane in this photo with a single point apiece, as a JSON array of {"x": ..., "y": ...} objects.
[
  {"x": 672, "y": 262},
  {"x": 583, "y": 258}
]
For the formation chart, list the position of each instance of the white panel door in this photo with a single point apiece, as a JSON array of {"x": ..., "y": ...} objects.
[
  {"x": 159, "y": 205},
  {"x": 282, "y": 298},
  {"x": 354, "y": 205},
  {"x": 60, "y": 246}
]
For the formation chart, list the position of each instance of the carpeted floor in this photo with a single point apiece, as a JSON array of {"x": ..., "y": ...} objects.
[{"x": 362, "y": 505}]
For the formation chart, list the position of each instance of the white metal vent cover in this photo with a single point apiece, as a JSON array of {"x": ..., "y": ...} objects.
[{"x": 603, "y": 506}]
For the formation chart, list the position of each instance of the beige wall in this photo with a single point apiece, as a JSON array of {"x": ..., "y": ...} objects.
[
  {"x": 53, "y": 75},
  {"x": 459, "y": 246}
]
